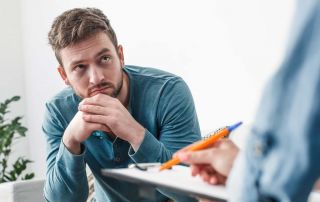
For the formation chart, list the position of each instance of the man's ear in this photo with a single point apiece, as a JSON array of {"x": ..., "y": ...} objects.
[
  {"x": 63, "y": 75},
  {"x": 121, "y": 56}
]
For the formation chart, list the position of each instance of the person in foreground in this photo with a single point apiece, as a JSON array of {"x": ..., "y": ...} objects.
[
  {"x": 281, "y": 159},
  {"x": 111, "y": 114}
]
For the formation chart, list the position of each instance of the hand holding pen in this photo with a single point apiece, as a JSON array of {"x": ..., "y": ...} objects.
[
  {"x": 213, "y": 165},
  {"x": 211, "y": 158}
]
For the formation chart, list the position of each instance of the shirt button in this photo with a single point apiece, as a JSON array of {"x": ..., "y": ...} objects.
[
  {"x": 258, "y": 149},
  {"x": 117, "y": 159}
]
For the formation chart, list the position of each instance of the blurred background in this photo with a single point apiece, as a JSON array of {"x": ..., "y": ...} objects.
[{"x": 225, "y": 51}]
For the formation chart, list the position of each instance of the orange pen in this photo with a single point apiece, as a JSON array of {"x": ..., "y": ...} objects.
[{"x": 202, "y": 144}]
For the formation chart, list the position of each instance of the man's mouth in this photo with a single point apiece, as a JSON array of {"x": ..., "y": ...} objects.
[{"x": 97, "y": 91}]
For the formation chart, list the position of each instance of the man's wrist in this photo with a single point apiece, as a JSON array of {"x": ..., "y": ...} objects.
[
  {"x": 73, "y": 146},
  {"x": 138, "y": 138}
]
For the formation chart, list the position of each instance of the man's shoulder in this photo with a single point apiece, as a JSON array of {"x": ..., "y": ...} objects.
[
  {"x": 65, "y": 96},
  {"x": 63, "y": 106},
  {"x": 150, "y": 73}
]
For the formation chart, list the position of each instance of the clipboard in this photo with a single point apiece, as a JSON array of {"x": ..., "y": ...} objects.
[{"x": 176, "y": 180}]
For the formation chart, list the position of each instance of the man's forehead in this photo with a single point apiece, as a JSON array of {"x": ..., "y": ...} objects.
[{"x": 88, "y": 48}]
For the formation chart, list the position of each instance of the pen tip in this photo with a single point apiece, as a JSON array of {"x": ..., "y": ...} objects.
[{"x": 232, "y": 127}]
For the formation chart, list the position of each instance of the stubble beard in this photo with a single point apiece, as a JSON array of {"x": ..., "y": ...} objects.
[{"x": 115, "y": 92}]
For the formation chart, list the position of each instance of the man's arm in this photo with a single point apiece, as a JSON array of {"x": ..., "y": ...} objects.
[
  {"x": 178, "y": 124},
  {"x": 66, "y": 175},
  {"x": 176, "y": 118}
]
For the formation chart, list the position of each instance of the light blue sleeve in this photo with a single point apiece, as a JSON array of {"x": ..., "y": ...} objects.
[
  {"x": 179, "y": 127},
  {"x": 281, "y": 160},
  {"x": 177, "y": 121},
  {"x": 66, "y": 174}
]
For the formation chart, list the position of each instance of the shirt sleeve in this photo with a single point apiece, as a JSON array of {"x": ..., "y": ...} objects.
[
  {"x": 66, "y": 178},
  {"x": 178, "y": 125}
]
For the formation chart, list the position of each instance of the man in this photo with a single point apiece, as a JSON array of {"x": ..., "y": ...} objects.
[
  {"x": 111, "y": 115},
  {"x": 281, "y": 159}
]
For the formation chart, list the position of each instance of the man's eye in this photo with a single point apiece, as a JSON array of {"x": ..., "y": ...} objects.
[
  {"x": 105, "y": 59},
  {"x": 79, "y": 67}
]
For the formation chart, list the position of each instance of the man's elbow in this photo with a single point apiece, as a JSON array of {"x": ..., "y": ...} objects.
[{"x": 53, "y": 194}]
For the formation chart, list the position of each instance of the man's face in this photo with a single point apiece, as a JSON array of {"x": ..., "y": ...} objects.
[{"x": 93, "y": 66}]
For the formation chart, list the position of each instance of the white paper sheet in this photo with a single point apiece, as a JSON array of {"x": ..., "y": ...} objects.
[{"x": 179, "y": 177}]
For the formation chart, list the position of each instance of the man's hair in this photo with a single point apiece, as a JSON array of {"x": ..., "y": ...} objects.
[{"x": 76, "y": 25}]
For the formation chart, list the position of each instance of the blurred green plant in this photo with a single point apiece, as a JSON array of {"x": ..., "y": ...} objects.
[{"x": 11, "y": 129}]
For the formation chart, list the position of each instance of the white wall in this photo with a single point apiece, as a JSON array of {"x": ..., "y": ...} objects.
[
  {"x": 225, "y": 50},
  {"x": 11, "y": 68}
]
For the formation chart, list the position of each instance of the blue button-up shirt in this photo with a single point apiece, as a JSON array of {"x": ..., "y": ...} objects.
[
  {"x": 161, "y": 102},
  {"x": 282, "y": 159}
]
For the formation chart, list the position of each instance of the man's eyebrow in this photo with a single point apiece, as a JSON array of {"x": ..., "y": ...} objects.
[{"x": 104, "y": 50}]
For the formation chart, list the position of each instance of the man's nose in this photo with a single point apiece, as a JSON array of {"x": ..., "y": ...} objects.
[{"x": 96, "y": 75}]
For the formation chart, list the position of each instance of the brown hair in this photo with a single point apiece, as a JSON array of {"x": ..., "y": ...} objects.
[{"x": 76, "y": 25}]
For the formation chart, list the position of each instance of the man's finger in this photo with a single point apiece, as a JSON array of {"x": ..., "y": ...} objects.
[
  {"x": 94, "y": 118},
  {"x": 99, "y": 99},
  {"x": 92, "y": 109}
]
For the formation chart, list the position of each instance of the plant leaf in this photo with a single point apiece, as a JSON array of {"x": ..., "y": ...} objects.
[
  {"x": 10, "y": 129},
  {"x": 28, "y": 176}
]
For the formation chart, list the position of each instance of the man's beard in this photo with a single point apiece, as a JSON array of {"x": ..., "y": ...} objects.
[
  {"x": 114, "y": 93},
  {"x": 103, "y": 85},
  {"x": 118, "y": 88}
]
